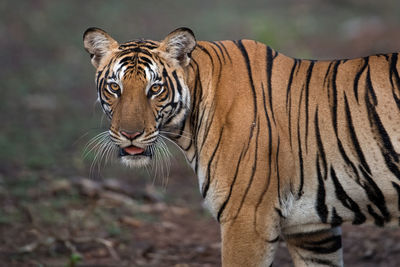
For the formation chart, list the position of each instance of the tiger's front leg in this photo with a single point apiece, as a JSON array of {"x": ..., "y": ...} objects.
[
  {"x": 322, "y": 248},
  {"x": 242, "y": 245}
]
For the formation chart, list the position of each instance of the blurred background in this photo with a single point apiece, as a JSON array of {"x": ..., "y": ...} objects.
[{"x": 57, "y": 209}]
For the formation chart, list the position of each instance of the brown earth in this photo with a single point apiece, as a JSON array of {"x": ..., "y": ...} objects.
[{"x": 128, "y": 222}]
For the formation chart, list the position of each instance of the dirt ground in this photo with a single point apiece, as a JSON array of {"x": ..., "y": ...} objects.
[{"x": 131, "y": 222}]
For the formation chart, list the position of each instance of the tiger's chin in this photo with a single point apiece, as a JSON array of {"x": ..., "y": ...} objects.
[
  {"x": 135, "y": 157},
  {"x": 135, "y": 161}
]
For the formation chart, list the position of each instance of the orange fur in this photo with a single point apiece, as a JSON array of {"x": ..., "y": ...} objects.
[{"x": 283, "y": 148}]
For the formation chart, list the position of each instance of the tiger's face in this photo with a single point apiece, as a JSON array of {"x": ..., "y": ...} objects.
[{"x": 142, "y": 89}]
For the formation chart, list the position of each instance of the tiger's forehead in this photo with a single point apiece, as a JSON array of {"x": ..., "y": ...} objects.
[
  {"x": 136, "y": 59},
  {"x": 140, "y": 44}
]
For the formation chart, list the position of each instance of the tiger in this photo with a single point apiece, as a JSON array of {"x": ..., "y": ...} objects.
[{"x": 284, "y": 149}]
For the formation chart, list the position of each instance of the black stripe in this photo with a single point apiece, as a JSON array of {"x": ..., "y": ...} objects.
[
  {"x": 372, "y": 190},
  {"x": 321, "y": 207},
  {"x": 137, "y": 44},
  {"x": 298, "y": 68},
  {"x": 381, "y": 136},
  {"x": 279, "y": 211},
  {"x": 216, "y": 53},
  {"x": 289, "y": 96},
  {"x": 353, "y": 135},
  {"x": 150, "y": 47},
  {"x": 208, "y": 123},
  {"x": 375, "y": 195},
  {"x": 165, "y": 97},
  {"x": 289, "y": 85},
  {"x": 269, "y": 129},
  {"x": 139, "y": 68},
  {"x": 336, "y": 220},
  {"x": 220, "y": 50},
  {"x": 180, "y": 135},
  {"x": 327, "y": 74},
  {"x": 223, "y": 206},
  {"x": 307, "y": 89},
  {"x": 146, "y": 66},
  {"x": 347, "y": 202},
  {"x": 347, "y": 160},
  {"x": 220, "y": 68},
  {"x": 394, "y": 75},
  {"x": 179, "y": 108},
  {"x": 135, "y": 50},
  {"x": 170, "y": 83},
  {"x": 175, "y": 107},
  {"x": 320, "y": 146},
  {"x": 195, "y": 111},
  {"x": 226, "y": 51},
  {"x": 99, "y": 73},
  {"x": 270, "y": 61},
  {"x": 107, "y": 95},
  {"x": 276, "y": 239},
  {"x": 269, "y": 167},
  {"x": 321, "y": 262},
  {"x": 386, "y": 56},
  {"x": 358, "y": 75},
  {"x": 242, "y": 49},
  {"x": 334, "y": 97},
  {"x": 100, "y": 85},
  {"x": 206, "y": 185},
  {"x": 145, "y": 59},
  {"x": 197, "y": 98},
  {"x": 370, "y": 88},
  {"x": 253, "y": 171},
  {"x": 327, "y": 245},
  {"x": 339, "y": 142},
  {"x": 126, "y": 59},
  {"x": 202, "y": 48},
  {"x": 199, "y": 121},
  {"x": 277, "y": 171},
  {"x": 178, "y": 83},
  {"x": 379, "y": 220},
  {"x": 300, "y": 152},
  {"x": 397, "y": 187}
]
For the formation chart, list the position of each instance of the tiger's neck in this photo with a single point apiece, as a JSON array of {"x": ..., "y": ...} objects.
[
  {"x": 224, "y": 108},
  {"x": 201, "y": 76},
  {"x": 201, "y": 130}
]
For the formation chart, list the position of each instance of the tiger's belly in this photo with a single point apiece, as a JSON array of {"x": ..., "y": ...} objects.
[{"x": 342, "y": 197}]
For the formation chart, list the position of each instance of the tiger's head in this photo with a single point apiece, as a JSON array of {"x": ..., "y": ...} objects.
[{"x": 142, "y": 88}]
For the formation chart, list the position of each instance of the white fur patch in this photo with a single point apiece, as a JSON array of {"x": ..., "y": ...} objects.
[
  {"x": 139, "y": 161},
  {"x": 100, "y": 43},
  {"x": 287, "y": 204}
]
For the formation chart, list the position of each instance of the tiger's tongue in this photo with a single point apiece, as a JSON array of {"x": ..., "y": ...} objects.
[{"x": 133, "y": 150}]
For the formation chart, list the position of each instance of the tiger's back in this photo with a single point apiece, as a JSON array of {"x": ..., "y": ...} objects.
[{"x": 338, "y": 119}]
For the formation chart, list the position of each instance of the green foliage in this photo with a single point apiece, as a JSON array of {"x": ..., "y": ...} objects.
[{"x": 74, "y": 259}]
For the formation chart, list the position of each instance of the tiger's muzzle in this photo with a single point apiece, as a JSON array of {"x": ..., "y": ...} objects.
[{"x": 135, "y": 147}]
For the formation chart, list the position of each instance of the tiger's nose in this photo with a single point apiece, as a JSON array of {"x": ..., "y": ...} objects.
[{"x": 130, "y": 135}]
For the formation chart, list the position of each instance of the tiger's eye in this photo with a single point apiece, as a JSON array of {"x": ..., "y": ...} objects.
[
  {"x": 155, "y": 88},
  {"x": 114, "y": 86}
]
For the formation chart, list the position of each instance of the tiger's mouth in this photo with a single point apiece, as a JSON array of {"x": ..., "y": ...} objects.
[
  {"x": 133, "y": 156},
  {"x": 134, "y": 151}
]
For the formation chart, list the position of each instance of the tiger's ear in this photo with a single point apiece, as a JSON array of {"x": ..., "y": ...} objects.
[
  {"x": 98, "y": 44},
  {"x": 178, "y": 45}
]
